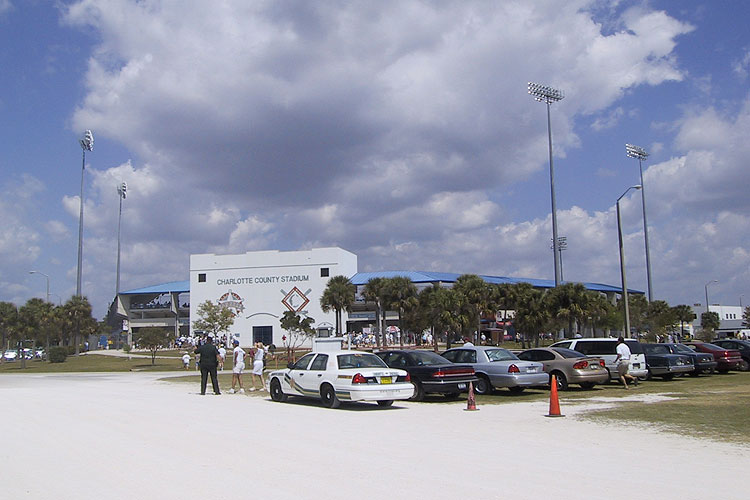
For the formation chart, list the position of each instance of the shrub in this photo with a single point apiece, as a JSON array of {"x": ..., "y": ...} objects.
[
  {"x": 126, "y": 348},
  {"x": 57, "y": 354}
]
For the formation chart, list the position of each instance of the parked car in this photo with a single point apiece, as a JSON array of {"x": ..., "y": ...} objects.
[
  {"x": 726, "y": 359},
  {"x": 341, "y": 376},
  {"x": 740, "y": 345},
  {"x": 606, "y": 348},
  {"x": 430, "y": 372},
  {"x": 703, "y": 362},
  {"x": 661, "y": 362},
  {"x": 496, "y": 367},
  {"x": 568, "y": 366},
  {"x": 10, "y": 355}
]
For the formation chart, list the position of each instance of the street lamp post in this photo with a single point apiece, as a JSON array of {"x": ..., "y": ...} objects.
[
  {"x": 622, "y": 262},
  {"x": 122, "y": 189},
  {"x": 87, "y": 144},
  {"x": 640, "y": 154},
  {"x": 38, "y": 272},
  {"x": 548, "y": 95},
  {"x": 562, "y": 244},
  {"x": 706, "y": 288}
]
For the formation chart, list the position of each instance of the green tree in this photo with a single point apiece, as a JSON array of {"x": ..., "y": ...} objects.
[
  {"x": 8, "y": 321},
  {"x": 710, "y": 322},
  {"x": 339, "y": 296},
  {"x": 684, "y": 314},
  {"x": 298, "y": 329},
  {"x": 438, "y": 307},
  {"x": 660, "y": 317},
  {"x": 476, "y": 298},
  {"x": 214, "y": 319},
  {"x": 534, "y": 314},
  {"x": 569, "y": 303},
  {"x": 746, "y": 317},
  {"x": 32, "y": 319},
  {"x": 638, "y": 306},
  {"x": 601, "y": 312},
  {"x": 77, "y": 320},
  {"x": 374, "y": 291},
  {"x": 400, "y": 294},
  {"x": 153, "y": 339}
]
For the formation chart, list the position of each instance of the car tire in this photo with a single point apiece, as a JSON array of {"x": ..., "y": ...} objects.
[
  {"x": 418, "y": 391},
  {"x": 328, "y": 396},
  {"x": 276, "y": 393},
  {"x": 451, "y": 395},
  {"x": 668, "y": 376},
  {"x": 516, "y": 389},
  {"x": 483, "y": 385},
  {"x": 587, "y": 385},
  {"x": 744, "y": 366},
  {"x": 562, "y": 380},
  {"x": 385, "y": 402}
]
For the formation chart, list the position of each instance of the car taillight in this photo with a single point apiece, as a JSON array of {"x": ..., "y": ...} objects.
[
  {"x": 438, "y": 374},
  {"x": 408, "y": 377},
  {"x": 601, "y": 362},
  {"x": 513, "y": 369},
  {"x": 726, "y": 354},
  {"x": 359, "y": 379},
  {"x": 580, "y": 365}
]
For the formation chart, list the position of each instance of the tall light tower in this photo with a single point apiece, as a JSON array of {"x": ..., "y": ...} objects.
[
  {"x": 122, "y": 189},
  {"x": 640, "y": 154},
  {"x": 548, "y": 95},
  {"x": 87, "y": 144},
  {"x": 622, "y": 263}
]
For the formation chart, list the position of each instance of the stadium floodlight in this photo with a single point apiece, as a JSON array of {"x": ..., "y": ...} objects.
[
  {"x": 87, "y": 144},
  {"x": 640, "y": 154},
  {"x": 548, "y": 95},
  {"x": 622, "y": 263},
  {"x": 122, "y": 190}
]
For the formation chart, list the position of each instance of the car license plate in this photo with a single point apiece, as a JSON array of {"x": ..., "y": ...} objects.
[
  {"x": 385, "y": 380},
  {"x": 594, "y": 367},
  {"x": 531, "y": 369},
  {"x": 462, "y": 386},
  {"x": 636, "y": 365}
]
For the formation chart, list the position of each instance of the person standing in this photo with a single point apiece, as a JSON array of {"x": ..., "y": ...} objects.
[
  {"x": 258, "y": 356},
  {"x": 238, "y": 358},
  {"x": 623, "y": 363},
  {"x": 209, "y": 361},
  {"x": 222, "y": 356}
]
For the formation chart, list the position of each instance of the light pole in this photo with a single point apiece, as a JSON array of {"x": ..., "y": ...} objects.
[
  {"x": 640, "y": 154},
  {"x": 87, "y": 144},
  {"x": 562, "y": 244},
  {"x": 706, "y": 287},
  {"x": 122, "y": 189},
  {"x": 622, "y": 262},
  {"x": 38, "y": 272},
  {"x": 548, "y": 95}
]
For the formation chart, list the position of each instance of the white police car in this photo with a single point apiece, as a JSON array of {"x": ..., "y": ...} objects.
[{"x": 341, "y": 376}]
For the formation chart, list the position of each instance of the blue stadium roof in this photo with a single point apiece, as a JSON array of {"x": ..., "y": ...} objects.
[
  {"x": 433, "y": 277},
  {"x": 172, "y": 286}
]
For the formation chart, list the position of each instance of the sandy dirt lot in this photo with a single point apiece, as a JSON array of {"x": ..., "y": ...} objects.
[{"x": 125, "y": 436}]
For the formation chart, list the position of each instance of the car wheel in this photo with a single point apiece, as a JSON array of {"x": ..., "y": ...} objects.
[
  {"x": 276, "y": 393},
  {"x": 328, "y": 397},
  {"x": 451, "y": 395},
  {"x": 695, "y": 373},
  {"x": 562, "y": 380},
  {"x": 418, "y": 391},
  {"x": 587, "y": 385},
  {"x": 516, "y": 389},
  {"x": 744, "y": 366},
  {"x": 668, "y": 376},
  {"x": 483, "y": 385},
  {"x": 385, "y": 402}
]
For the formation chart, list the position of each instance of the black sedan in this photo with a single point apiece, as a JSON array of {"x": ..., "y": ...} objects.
[
  {"x": 430, "y": 372},
  {"x": 702, "y": 361},
  {"x": 739, "y": 345},
  {"x": 662, "y": 363}
]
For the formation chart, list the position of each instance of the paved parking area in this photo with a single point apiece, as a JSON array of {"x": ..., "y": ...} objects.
[{"x": 124, "y": 436}]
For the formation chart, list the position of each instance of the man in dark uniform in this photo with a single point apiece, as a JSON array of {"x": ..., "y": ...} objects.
[{"x": 208, "y": 353}]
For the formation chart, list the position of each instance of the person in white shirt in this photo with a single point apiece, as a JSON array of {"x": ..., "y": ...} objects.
[
  {"x": 260, "y": 353},
  {"x": 222, "y": 357},
  {"x": 238, "y": 356},
  {"x": 186, "y": 361},
  {"x": 623, "y": 363}
]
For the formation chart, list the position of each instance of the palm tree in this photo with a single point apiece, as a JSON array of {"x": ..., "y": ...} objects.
[
  {"x": 401, "y": 295},
  {"x": 569, "y": 303},
  {"x": 440, "y": 307},
  {"x": 684, "y": 314},
  {"x": 374, "y": 291},
  {"x": 520, "y": 295},
  {"x": 78, "y": 319},
  {"x": 339, "y": 296},
  {"x": 533, "y": 315},
  {"x": 599, "y": 310},
  {"x": 8, "y": 321},
  {"x": 476, "y": 294}
]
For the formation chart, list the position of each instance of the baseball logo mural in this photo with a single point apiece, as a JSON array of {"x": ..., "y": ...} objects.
[{"x": 233, "y": 302}]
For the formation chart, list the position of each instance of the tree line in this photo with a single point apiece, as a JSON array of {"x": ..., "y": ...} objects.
[{"x": 456, "y": 312}]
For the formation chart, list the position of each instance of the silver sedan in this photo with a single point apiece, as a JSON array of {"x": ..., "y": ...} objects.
[{"x": 496, "y": 367}]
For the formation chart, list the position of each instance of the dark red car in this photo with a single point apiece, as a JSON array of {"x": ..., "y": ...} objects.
[{"x": 726, "y": 359}]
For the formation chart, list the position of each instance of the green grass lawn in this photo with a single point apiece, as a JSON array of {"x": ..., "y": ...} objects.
[{"x": 93, "y": 363}]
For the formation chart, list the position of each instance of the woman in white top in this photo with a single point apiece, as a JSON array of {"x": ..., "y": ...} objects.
[
  {"x": 238, "y": 355},
  {"x": 260, "y": 353}
]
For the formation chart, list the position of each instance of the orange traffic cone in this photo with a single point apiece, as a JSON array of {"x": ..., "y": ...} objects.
[
  {"x": 554, "y": 403},
  {"x": 471, "y": 404}
]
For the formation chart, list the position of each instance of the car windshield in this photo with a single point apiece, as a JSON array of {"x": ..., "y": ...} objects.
[
  {"x": 500, "y": 355},
  {"x": 428, "y": 358},
  {"x": 568, "y": 353},
  {"x": 360, "y": 360}
]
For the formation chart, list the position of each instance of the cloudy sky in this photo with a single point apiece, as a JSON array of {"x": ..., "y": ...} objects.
[{"x": 399, "y": 130}]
